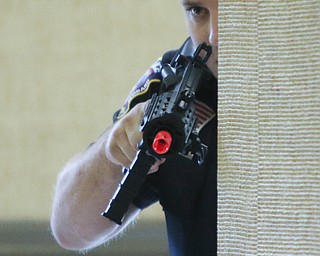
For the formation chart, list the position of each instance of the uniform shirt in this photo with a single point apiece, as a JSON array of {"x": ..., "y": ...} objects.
[{"x": 185, "y": 190}]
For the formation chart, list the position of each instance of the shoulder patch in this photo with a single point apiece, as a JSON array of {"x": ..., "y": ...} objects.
[{"x": 153, "y": 75}]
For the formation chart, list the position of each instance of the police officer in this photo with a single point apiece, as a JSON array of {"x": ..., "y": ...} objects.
[{"x": 186, "y": 191}]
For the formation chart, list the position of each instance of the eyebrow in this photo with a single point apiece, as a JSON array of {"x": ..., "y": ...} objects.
[{"x": 188, "y": 2}]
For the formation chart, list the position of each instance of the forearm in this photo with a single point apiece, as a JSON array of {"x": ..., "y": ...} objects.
[
  {"x": 88, "y": 182},
  {"x": 83, "y": 189}
]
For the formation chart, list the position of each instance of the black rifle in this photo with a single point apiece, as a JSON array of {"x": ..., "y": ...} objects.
[{"x": 168, "y": 127}]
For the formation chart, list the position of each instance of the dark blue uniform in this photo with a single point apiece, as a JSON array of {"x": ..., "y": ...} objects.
[{"x": 187, "y": 191}]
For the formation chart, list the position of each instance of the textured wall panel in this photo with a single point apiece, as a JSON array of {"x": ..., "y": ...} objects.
[
  {"x": 238, "y": 127},
  {"x": 269, "y": 128}
]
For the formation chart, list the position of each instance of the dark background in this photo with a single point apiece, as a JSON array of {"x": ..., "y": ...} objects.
[{"x": 34, "y": 238}]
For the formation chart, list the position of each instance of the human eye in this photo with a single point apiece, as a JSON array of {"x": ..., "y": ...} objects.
[{"x": 196, "y": 11}]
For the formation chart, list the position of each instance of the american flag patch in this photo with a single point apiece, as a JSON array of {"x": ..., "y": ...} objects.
[{"x": 204, "y": 114}]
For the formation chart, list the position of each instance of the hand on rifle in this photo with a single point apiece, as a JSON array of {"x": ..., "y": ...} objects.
[{"x": 122, "y": 144}]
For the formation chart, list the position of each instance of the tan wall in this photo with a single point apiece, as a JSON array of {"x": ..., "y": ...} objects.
[
  {"x": 269, "y": 128},
  {"x": 65, "y": 66}
]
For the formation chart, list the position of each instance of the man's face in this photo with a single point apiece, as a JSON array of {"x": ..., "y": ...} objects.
[{"x": 202, "y": 23}]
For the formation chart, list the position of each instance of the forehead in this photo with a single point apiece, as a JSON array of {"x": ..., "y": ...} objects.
[{"x": 210, "y": 3}]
